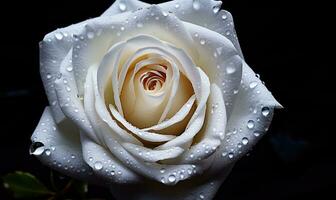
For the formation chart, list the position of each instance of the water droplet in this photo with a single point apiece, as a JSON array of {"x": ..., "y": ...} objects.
[
  {"x": 253, "y": 84},
  {"x": 224, "y": 153},
  {"x": 69, "y": 69},
  {"x": 224, "y": 16},
  {"x": 227, "y": 33},
  {"x": 230, "y": 70},
  {"x": 163, "y": 180},
  {"x": 162, "y": 170},
  {"x": 230, "y": 155},
  {"x": 90, "y": 35},
  {"x": 177, "y": 6},
  {"x": 165, "y": 14},
  {"x": 47, "y": 152},
  {"x": 73, "y": 156},
  {"x": 202, "y": 41},
  {"x": 257, "y": 134},
  {"x": 98, "y": 165},
  {"x": 201, "y": 196},
  {"x": 235, "y": 91},
  {"x": 122, "y": 6},
  {"x": 59, "y": 36},
  {"x": 122, "y": 28},
  {"x": 215, "y": 9},
  {"x": 49, "y": 76},
  {"x": 265, "y": 111},
  {"x": 37, "y": 148},
  {"x": 68, "y": 88},
  {"x": 245, "y": 141},
  {"x": 196, "y": 4},
  {"x": 172, "y": 178},
  {"x": 250, "y": 124}
]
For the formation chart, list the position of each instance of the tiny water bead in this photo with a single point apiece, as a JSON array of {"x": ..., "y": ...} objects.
[
  {"x": 202, "y": 41},
  {"x": 230, "y": 70},
  {"x": 216, "y": 9},
  {"x": 196, "y": 4},
  {"x": 230, "y": 155},
  {"x": 59, "y": 36},
  {"x": 98, "y": 165},
  {"x": 253, "y": 84},
  {"x": 250, "y": 124},
  {"x": 201, "y": 196},
  {"x": 265, "y": 111},
  {"x": 37, "y": 148},
  {"x": 47, "y": 152},
  {"x": 90, "y": 35},
  {"x": 257, "y": 134},
  {"x": 245, "y": 141},
  {"x": 224, "y": 17}
]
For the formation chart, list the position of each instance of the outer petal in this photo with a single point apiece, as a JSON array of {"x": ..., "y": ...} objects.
[
  {"x": 250, "y": 119},
  {"x": 61, "y": 148},
  {"x": 205, "y": 13},
  {"x": 53, "y": 49}
]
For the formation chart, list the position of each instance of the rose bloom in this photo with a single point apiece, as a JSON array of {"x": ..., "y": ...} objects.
[{"x": 151, "y": 101}]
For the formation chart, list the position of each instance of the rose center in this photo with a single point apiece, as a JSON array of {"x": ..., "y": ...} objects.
[{"x": 153, "y": 80}]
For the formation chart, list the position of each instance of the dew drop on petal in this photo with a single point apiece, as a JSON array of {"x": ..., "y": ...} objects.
[
  {"x": 59, "y": 36},
  {"x": 196, "y": 4},
  {"x": 224, "y": 16},
  {"x": 90, "y": 35},
  {"x": 122, "y": 6},
  {"x": 230, "y": 70},
  {"x": 47, "y": 152},
  {"x": 257, "y": 134},
  {"x": 69, "y": 69},
  {"x": 265, "y": 111},
  {"x": 245, "y": 141},
  {"x": 177, "y": 6},
  {"x": 230, "y": 155},
  {"x": 250, "y": 124},
  {"x": 37, "y": 148},
  {"x": 202, "y": 41},
  {"x": 253, "y": 84},
  {"x": 172, "y": 178},
  {"x": 98, "y": 165}
]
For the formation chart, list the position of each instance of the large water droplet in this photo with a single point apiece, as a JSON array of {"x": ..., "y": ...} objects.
[
  {"x": 196, "y": 4},
  {"x": 172, "y": 178},
  {"x": 250, "y": 124},
  {"x": 265, "y": 111},
  {"x": 98, "y": 165},
  {"x": 37, "y": 148},
  {"x": 245, "y": 141},
  {"x": 122, "y": 6}
]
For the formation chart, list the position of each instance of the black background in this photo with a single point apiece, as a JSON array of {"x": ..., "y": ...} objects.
[{"x": 281, "y": 41}]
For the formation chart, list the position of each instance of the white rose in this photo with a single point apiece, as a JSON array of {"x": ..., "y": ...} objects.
[{"x": 153, "y": 101}]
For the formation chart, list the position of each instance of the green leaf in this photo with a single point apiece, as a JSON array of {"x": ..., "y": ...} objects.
[{"x": 25, "y": 185}]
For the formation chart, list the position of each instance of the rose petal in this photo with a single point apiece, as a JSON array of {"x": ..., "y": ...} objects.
[
  {"x": 70, "y": 103},
  {"x": 196, "y": 121},
  {"x": 250, "y": 119},
  {"x": 145, "y": 135},
  {"x": 209, "y": 138},
  {"x": 205, "y": 13},
  {"x": 220, "y": 61},
  {"x": 105, "y": 165},
  {"x": 150, "y": 155},
  {"x": 61, "y": 148},
  {"x": 53, "y": 48}
]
